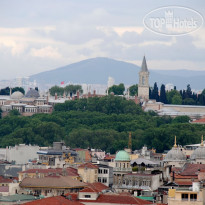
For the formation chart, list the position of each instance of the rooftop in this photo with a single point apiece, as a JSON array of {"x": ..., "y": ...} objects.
[
  {"x": 57, "y": 182},
  {"x": 88, "y": 165},
  {"x": 95, "y": 187},
  {"x": 113, "y": 198},
  {"x": 17, "y": 197},
  {"x": 69, "y": 171},
  {"x": 55, "y": 200},
  {"x": 200, "y": 121},
  {"x": 192, "y": 169}
]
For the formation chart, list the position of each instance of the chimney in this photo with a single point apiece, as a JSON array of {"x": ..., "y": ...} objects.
[
  {"x": 173, "y": 176},
  {"x": 136, "y": 100},
  {"x": 89, "y": 94},
  {"x": 94, "y": 93},
  {"x": 56, "y": 96},
  {"x": 78, "y": 94}
]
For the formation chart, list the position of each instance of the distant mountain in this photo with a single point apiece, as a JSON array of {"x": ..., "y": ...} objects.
[{"x": 97, "y": 71}]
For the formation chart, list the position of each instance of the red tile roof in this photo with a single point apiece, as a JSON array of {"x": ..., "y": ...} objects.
[
  {"x": 109, "y": 157},
  {"x": 7, "y": 180},
  {"x": 88, "y": 165},
  {"x": 123, "y": 198},
  {"x": 201, "y": 121},
  {"x": 56, "y": 200},
  {"x": 192, "y": 169},
  {"x": 95, "y": 187},
  {"x": 69, "y": 171},
  {"x": 185, "y": 183},
  {"x": 4, "y": 189}
]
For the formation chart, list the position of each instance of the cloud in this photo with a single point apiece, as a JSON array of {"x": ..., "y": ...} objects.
[
  {"x": 153, "y": 43},
  {"x": 46, "y": 52},
  {"x": 199, "y": 38}
]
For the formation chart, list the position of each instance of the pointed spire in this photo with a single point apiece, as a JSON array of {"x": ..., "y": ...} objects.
[
  {"x": 144, "y": 65},
  {"x": 202, "y": 140},
  {"x": 175, "y": 142}
]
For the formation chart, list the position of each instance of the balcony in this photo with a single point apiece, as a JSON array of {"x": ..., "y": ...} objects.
[{"x": 121, "y": 169}]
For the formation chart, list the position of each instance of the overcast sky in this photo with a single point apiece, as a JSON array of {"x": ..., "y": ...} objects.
[{"x": 40, "y": 35}]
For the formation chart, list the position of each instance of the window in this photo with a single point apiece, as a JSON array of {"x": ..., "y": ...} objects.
[
  {"x": 87, "y": 196},
  {"x": 99, "y": 179},
  {"x": 143, "y": 80},
  {"x": 104, "y": 180},
  {"x": 193, "y": 197},
  {"x": 105, "y": 171},
  {"x": 184, "y": 197}
]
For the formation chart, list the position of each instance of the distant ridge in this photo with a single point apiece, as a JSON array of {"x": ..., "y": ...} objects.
[{"x": 97, "y": 70}]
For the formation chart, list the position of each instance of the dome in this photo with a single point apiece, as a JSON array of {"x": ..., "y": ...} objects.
[
  {"x": 32, "y": 94},
  {"x": 175, "y": 154},
  {"x": 17, "y": 95},
  {"x": 199, "y": 153},
  {"x": 122, "y": 156}
]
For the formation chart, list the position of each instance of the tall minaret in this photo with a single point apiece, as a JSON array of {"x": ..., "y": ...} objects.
[{"x": 143, "y": 86}]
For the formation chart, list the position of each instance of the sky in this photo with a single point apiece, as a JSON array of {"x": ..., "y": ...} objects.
[{"x": 40, "y": 35}]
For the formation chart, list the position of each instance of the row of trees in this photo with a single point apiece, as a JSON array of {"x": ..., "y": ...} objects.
[
  {"x": 67, "y": 90},
  {"x": 109, "y": 104},
  {"x": 6, "y": 91},
  {"x": 120, "y": 89},
  {"x": 101, "y": 123},
  {"x": 182, "y": 97}
]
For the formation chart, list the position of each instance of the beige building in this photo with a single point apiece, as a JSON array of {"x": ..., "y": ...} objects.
[
  {"x": 88, "y": 172},
  {"x": 193, "y": 111},
  {"x": 51, "y": 185},
  {"x": 187, "y": 196}
]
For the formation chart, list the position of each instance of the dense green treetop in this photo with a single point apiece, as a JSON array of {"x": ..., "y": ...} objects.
[
  {"x": 67, "y": 90},
  {"x": 102, "y": 123},
  {"x": 6, "y": 91},
  {"x": 117, "y": 89},
  {"x": 133, "y": 90}
]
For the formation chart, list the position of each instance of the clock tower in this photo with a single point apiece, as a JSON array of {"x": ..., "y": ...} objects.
[{"x": 143, "y": 86}]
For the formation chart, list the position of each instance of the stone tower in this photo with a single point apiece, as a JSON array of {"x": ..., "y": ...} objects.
[{"x": 143, "y": 86}]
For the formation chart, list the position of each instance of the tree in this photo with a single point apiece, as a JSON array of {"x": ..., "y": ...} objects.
[
  {"x": 5, "y": 91},
  {"x": 201, "y": 98},
  {"x": 188, "y": 101},
  {"x": 176, "y": 100},
  {"x": 188, "y": 91},
  {"x": 20, "y": 89},
  {"x": 56, "y": 89},
  {"x": 14, "y": 112},
  {"x": 133, "y": 90},
  {"x": 73, "y": 89},
  {"x": 117, "y": 89},
  {"x": 155, "y": 92},
  {"x": 163, "y": 97},
  {"x": 176, "y": 95},
  {"x": 181, "y": 119}
]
